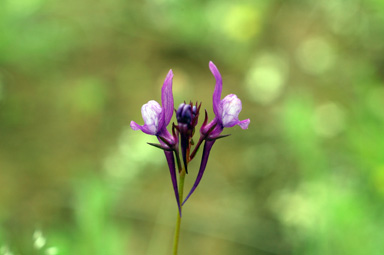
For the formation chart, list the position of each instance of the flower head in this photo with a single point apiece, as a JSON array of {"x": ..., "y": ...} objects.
[
  {"x": 151, "y": 113},
  {"x": 226, "y": 110},
  {"x": 231, "y": 107},
  {"x": 156, "y": 119},
  {"x": 226, "y": 113}
]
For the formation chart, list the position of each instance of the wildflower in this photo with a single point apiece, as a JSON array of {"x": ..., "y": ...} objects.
[
  {"x": 226, "y": 115},
  {"x": 156, "y": 119}
]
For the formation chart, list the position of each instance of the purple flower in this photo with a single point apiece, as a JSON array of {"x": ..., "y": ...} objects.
[
  {"x": 156, "y": 119},
  {"x": 226, "y": 115}
]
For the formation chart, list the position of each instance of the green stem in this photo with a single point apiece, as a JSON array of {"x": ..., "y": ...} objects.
[{"x": 178, "y": 220}]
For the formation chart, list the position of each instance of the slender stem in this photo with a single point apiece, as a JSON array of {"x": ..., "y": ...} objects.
[
  {"x": 179, "y": 167},
  {"x": 196, "y": 149},
  {"x": 178, "y": 220}
]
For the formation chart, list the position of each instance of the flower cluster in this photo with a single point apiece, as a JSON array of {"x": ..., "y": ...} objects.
[{"x": 157, "y": 118}]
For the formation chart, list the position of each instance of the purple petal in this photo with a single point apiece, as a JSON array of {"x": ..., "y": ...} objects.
[
  {"x": 244, "y": 123},
  {"x": 213, "y": 128},
  {"x": 204, "y": 160},
  {"x": 218, "y": 88},
  {"x": 144, "y": 128},
  {"x": 166, "y": 101},
  {"x": 171, "y": 164}
]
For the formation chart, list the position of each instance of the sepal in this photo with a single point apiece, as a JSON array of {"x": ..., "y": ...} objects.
[
  {"x": 204, "y": 160},
  {"x": 166, "y": 142},
  {"x": 218, "y": 137},
  {"x": 160, "y": 146},
  {"x": 172, "y": 170}
]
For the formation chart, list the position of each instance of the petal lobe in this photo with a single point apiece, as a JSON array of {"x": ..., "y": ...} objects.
[
  {"x": 167, "y": 100},
  {"x": 218, "y": 88}
]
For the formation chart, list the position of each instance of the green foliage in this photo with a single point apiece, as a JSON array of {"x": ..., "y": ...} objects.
[{"x": 307, "y": 177}]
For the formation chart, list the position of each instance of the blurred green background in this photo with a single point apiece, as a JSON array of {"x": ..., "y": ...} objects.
[{"x": 306, "y": 178}]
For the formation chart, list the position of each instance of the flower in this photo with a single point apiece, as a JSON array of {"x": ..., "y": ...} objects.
[
  {"x": 226, "y": 115},
  {"x": 156, "y": 119}
]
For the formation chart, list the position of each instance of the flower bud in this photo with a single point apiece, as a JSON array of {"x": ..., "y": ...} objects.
[
  {"x": 187, "y": 116},
  {"x": 184, "y": 114}
]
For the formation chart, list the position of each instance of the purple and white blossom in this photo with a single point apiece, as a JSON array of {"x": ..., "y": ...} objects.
[
  {"x": 226, "y": 113},
  {"x": 156, "y": 119},
  {"x": 151, "y": 113},
  {"x": 231, "y": 107}
]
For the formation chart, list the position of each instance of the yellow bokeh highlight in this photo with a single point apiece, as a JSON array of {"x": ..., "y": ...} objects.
[
  {"x": 242, "y": 22},
  {"x": 239, "y": 22}
]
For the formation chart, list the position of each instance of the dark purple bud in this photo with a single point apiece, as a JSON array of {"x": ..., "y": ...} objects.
[
  {"x": 184, "y": 114},
  {"x": 194, "y": 110},
  {"x": 187, "y": 117}
]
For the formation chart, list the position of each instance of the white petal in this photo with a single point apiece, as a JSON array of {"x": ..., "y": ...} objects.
[
  {"x": 151, "y": 112},
  {"x": 231, "y": 106}
]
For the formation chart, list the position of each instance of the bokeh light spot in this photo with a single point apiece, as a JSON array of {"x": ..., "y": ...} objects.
[
  {"x": 298, "y": 208},
  {"x": 39, "y": 240},
  {"x": 266, "y": 78},
  {"x": 341, "y": 16},
  {"x": 4, "y": 250},
  {"x": 315, "y": 55},
  {"x": 328, "y": 120},
  {"x": 51, "y": 251},
  {"x": 131, "y": 155},
  {"x": 241, "y": 22},
  {"x": 23, "y": 6}
]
